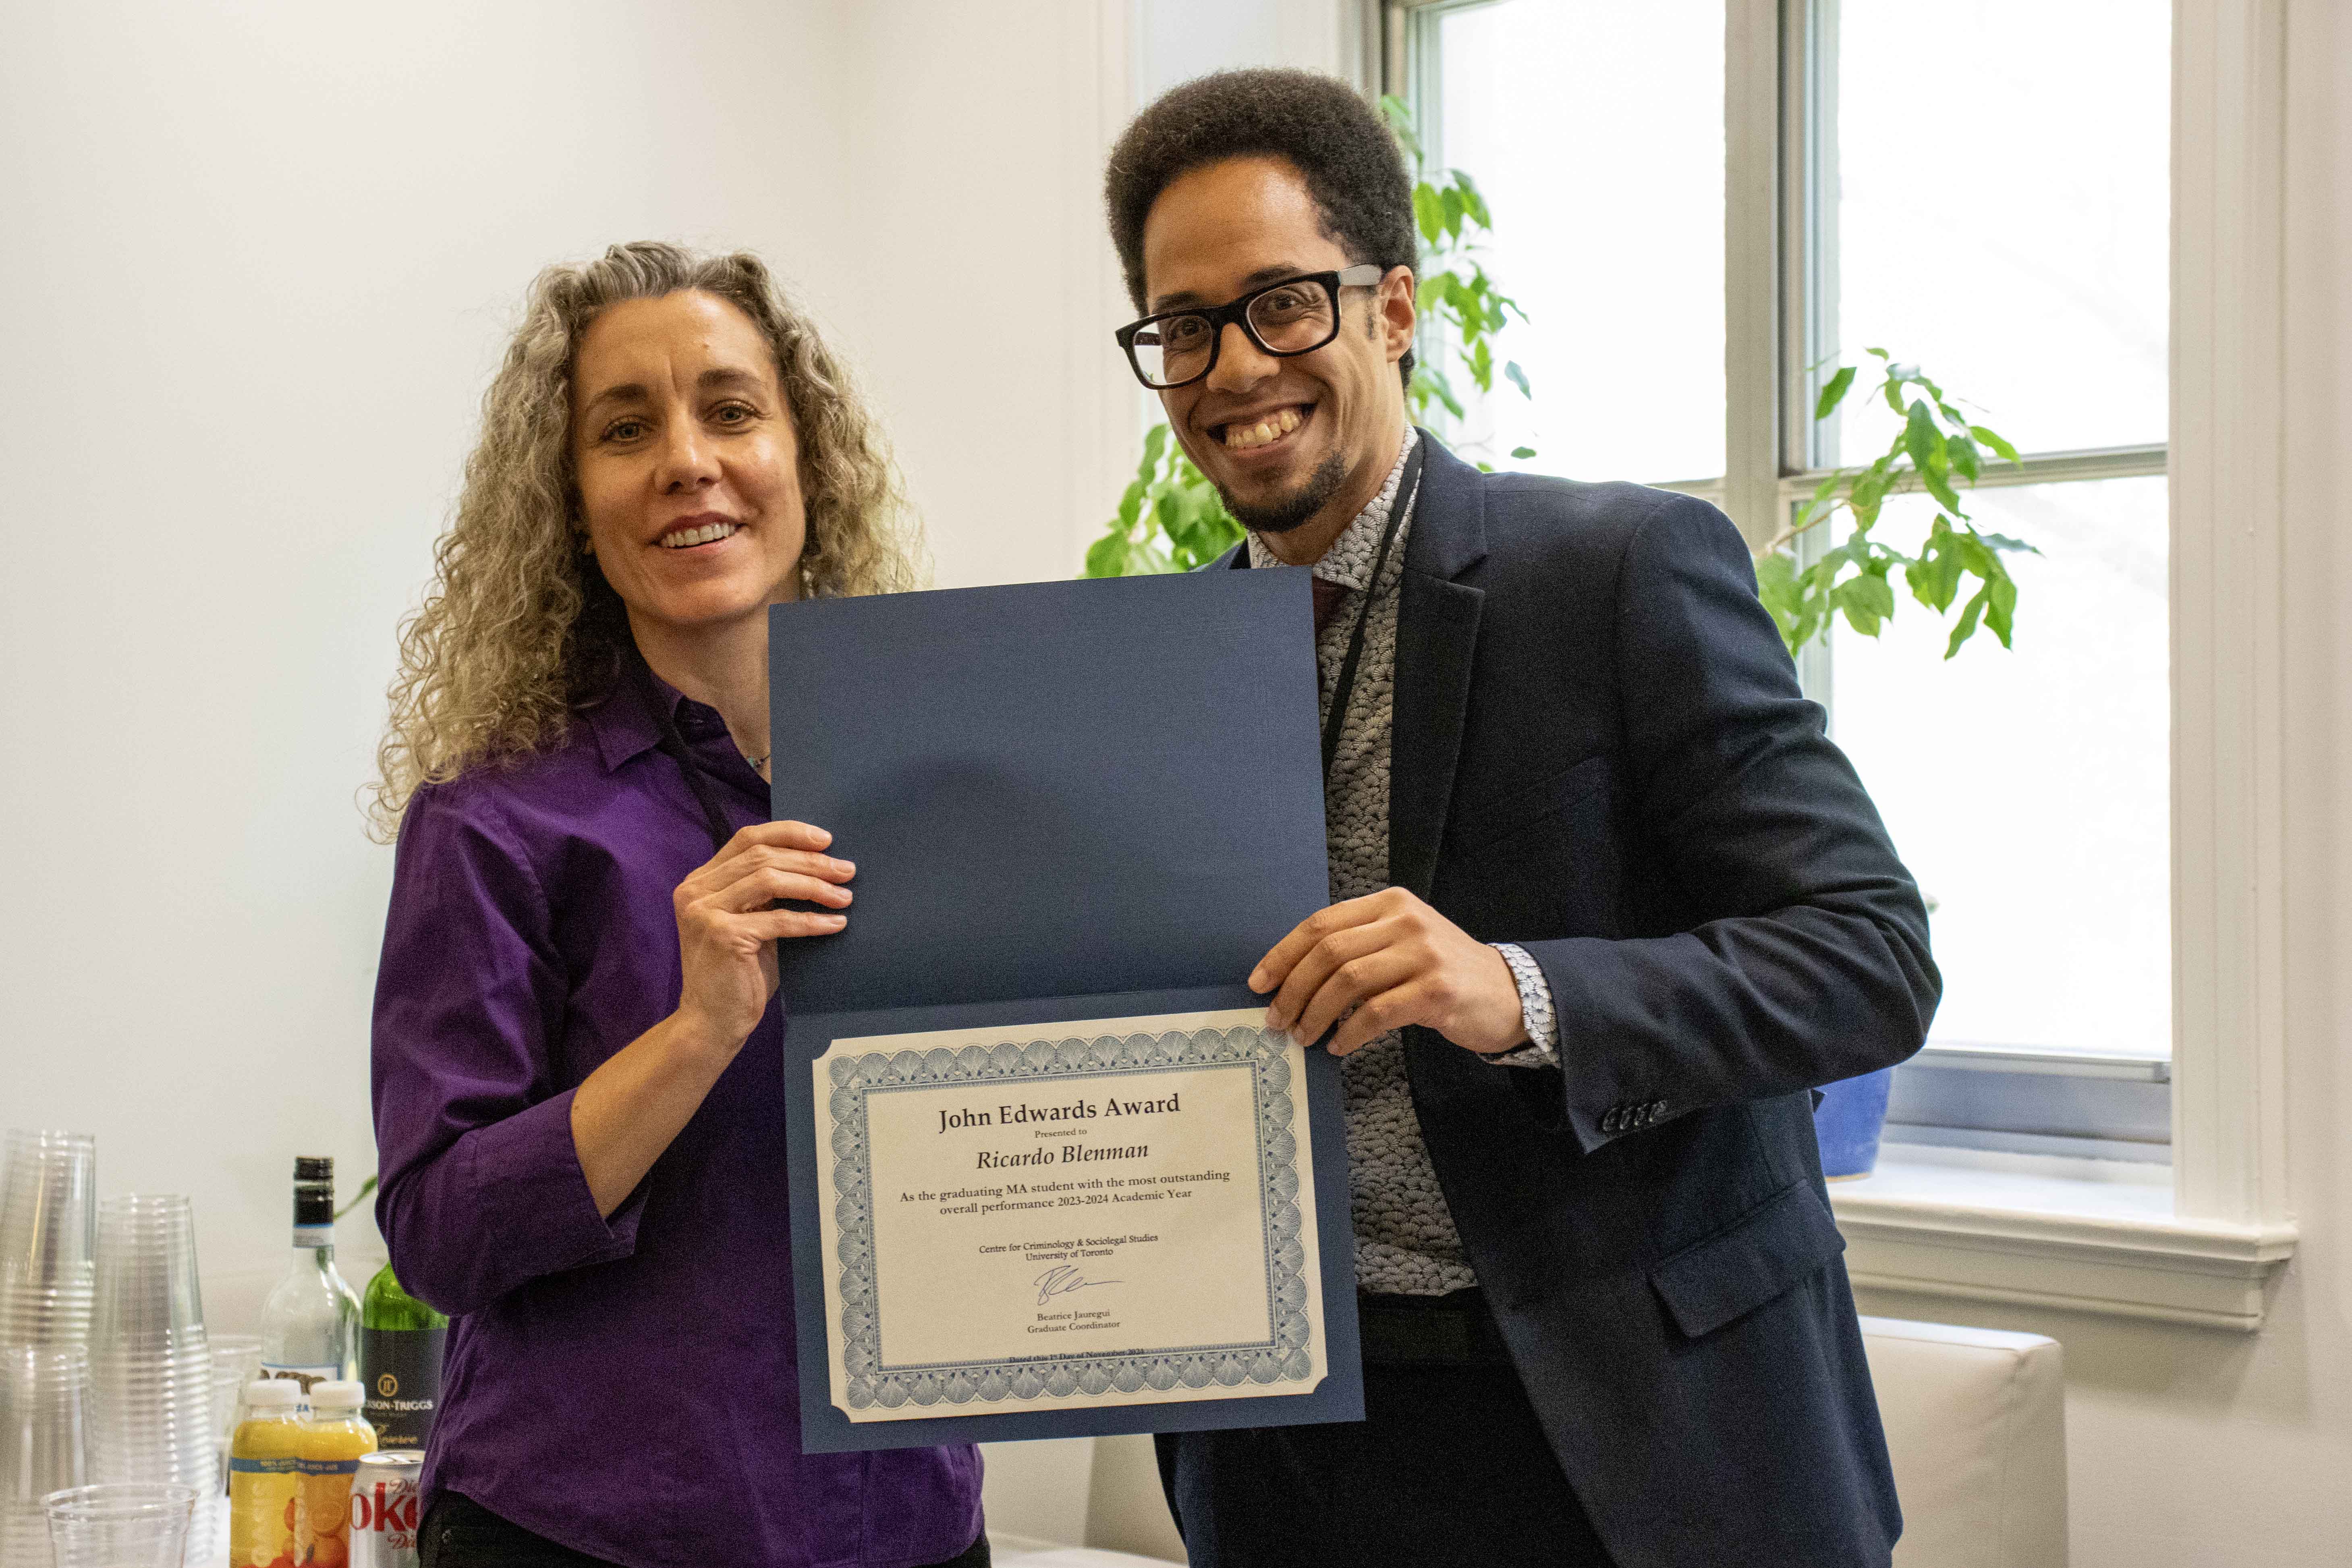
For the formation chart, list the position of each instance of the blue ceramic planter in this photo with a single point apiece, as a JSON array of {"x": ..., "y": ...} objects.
[{"x": 1848, "y": 1122}]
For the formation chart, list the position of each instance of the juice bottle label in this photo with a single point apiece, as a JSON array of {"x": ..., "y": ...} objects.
[
  {"x": 323, "y": 1512},
  {"x": 402, "y": 1369},
  {"x": 261, "y": 1510}
]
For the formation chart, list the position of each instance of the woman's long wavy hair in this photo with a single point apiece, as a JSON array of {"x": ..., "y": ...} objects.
[{"x": 521, "y": 629}]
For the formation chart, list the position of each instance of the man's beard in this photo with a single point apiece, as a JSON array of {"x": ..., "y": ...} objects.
[{"x": 1294, "y": 510}]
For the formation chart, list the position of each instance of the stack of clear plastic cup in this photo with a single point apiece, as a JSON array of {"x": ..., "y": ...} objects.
[
  {"x": 44, "y": 1415},
  {"x": 48, "y": 1226},
  {"x": 236, "y": 1360},
  {"x": 141, "y": 1524},
  {"x": 48, "y": 1214},
  {"x": 152, "y": 1414}
]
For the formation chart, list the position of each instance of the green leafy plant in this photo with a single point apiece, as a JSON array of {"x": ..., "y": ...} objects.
[
  {"x": 1171, "y": 518},
  {"x": 1455, "y": 291},
  {"x": 1938, "y": 450}
]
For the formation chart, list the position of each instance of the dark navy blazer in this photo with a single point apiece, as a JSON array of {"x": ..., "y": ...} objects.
[{"x": 1600, "y": 753}]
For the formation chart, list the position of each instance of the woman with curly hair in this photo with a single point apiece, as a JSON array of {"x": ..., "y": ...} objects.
[{"x": 576, "y": 1022}]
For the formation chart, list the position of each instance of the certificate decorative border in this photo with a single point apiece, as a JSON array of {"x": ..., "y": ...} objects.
[{"x": 1282, "y": 1358}]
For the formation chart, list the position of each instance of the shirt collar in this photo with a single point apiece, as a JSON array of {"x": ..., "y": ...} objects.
[
  {"x": 621, "y": 725},
  {"x": 1349, "y": 561}
]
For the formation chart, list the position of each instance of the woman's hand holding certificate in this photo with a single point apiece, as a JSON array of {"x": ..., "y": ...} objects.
[
  {"x": 627, "y": 1111},
  {"x": 727, "y": 930}
]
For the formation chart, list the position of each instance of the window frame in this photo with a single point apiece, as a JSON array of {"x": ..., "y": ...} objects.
[{"x": 2056, "y": 1234}]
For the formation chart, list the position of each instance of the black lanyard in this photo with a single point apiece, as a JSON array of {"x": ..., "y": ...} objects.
[
  {"x": 673, "y": 745},
  {"x": 1408, "y": 491}
]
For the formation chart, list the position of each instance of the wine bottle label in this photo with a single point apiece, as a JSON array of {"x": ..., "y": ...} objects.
[{"x": 401, "y": 1371}]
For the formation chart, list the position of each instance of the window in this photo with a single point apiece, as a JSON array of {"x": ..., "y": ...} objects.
[
  {"x": 1634, "y": 392},
  {"x": 1982, "y": 187}
]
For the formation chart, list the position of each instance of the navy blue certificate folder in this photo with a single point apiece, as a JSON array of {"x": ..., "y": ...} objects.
[{"x": 1066, "y": 801}]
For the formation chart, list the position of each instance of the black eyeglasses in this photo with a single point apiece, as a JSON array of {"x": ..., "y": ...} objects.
[{"x": 1296, "y": 316}]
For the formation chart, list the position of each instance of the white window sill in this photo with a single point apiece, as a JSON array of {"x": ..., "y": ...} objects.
[{"x": 2093, "y": 1235}]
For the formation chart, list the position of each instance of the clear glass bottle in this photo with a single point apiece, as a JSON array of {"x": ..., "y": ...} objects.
[
  {"x": 310, "y": 1325},
  {"x": 400, "y": 1360}
]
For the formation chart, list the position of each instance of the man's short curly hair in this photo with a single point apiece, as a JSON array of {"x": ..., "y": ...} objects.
[{"x": 1321, "y": 126}]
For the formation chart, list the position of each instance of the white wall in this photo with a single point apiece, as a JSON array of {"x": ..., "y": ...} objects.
[{"x": 259, "y": 260}]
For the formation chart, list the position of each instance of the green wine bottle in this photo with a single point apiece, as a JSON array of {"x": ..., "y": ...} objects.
[{"x": 400, "y": 1362}]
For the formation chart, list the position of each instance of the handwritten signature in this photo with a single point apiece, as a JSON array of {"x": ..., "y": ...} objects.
[{"x": 1061, "y": 1280}]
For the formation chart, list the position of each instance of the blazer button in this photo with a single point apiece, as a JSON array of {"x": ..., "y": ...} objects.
[
  {"x": 1609, "y": 1118},
  {"x": 1657, "y": 1109}
]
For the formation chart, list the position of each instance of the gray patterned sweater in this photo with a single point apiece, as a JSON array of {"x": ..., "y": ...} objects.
[{"x": 1405, "y": 1240}]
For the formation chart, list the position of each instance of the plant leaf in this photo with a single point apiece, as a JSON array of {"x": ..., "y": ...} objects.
[
  {"x": 1967, "y": 628},
  {"x": 2001, "y": 613},
  {"x": 1400, "y": 119},
  {"x": 357, "y": 1199},
  {"x": 1960, "y": 452},
  {"x": 1921, "y": 439},
  {"x": 1518, "y": 378},
  {"x": 1776, "y": 585},
  {"x": 1992, "y": 439},
  {"x": 1450, "y": 198},
  {"x": 1428, "y": 212},
  {"x": 1473, "y": 200},
  {"x": 1832, "y": 392},
  {"x": 1938, "y": 486},
  {"x": 1107, "y": 557},
  {"x": 1523, "y": 452}
]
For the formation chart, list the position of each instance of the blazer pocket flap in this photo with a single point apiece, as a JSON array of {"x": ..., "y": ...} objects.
[
  {"x": 1496, "y": 818},
  {"x": 1731, "y": 1273}
]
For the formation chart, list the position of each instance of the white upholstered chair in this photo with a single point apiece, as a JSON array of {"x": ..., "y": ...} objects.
[{"x": 1975, "y": 1421}]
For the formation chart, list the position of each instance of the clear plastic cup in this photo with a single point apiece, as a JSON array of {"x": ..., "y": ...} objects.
[
  {"x": 153, "y": 1414},
  {"x": 44, "y": 1443},
  {"x": 139, "y": 1524},
  {"x": 48, "y": 1183},
  {"x": 44, "y": 1422}
]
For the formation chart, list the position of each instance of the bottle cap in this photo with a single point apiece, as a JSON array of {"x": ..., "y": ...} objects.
[
  {"x": 314, "y": 1167},
  {"x": 337, "y": 1397},
  {"x": 272, "y": 1392}
]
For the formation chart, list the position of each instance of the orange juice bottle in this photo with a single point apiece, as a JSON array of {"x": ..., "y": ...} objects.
[
  {"x": 265, "y": 1473},
  {"x": 333, "y": 1440}
]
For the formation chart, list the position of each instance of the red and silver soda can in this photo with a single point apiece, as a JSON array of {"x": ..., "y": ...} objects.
[{"x": 384, "y": 1506}]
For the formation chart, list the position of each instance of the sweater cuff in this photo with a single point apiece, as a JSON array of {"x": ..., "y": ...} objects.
[{"x": 1542, "y": 1049}]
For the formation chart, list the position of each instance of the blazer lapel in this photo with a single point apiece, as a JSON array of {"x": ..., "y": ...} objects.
[{"x": 1438, "y": 634}]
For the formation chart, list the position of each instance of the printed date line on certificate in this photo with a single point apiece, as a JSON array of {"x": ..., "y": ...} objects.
[{"x": 1115, "y": 1212}]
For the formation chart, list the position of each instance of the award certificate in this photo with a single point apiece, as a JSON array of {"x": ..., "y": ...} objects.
[{"x": 1067, "y": 1216}]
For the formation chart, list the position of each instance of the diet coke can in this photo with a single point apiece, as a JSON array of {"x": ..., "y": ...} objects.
[{"x": 384, "y": 1503}]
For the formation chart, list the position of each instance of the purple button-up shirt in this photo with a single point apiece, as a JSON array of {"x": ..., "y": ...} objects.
[{"x": 624, "y": 1387}]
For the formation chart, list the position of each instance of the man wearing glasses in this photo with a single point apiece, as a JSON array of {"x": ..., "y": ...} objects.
[{"x": 1606, "y": 904}]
